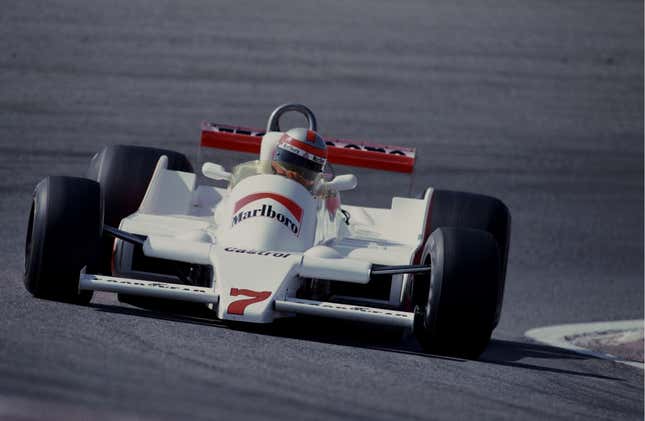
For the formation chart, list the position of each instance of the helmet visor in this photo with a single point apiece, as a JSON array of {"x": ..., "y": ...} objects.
[
  {"x": 289, "y": 154},
  {"x": 306, "y": 177}
]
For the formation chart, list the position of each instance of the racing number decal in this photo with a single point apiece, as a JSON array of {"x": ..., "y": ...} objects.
[{"x": 237, "y": 307}]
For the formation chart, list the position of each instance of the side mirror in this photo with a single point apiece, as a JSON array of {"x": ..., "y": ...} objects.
[
  {"x": 342, "y": 183},
  {"x": 215, "y": 172}
]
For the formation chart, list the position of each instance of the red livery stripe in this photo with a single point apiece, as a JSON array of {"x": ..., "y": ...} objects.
[
  {"x": 231, "y": 141},
  {"x": 293, "y": 207}
]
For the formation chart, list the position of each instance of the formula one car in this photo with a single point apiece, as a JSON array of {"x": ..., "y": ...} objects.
[{"x": 276, "y": 241}]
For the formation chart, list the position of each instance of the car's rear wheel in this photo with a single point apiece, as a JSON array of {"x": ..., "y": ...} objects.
[
  {"x": 63, "y": 236},
  {"x": 458, "y": 314},
  {"x": 476, "y": 211},
  {"x": 124, "y": 172}
]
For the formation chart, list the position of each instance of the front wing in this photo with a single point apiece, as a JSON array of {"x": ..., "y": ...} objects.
[{"x": 287, "y": 305}]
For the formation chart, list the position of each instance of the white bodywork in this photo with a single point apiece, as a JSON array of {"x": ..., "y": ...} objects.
[{"x": 263, "y": 238}]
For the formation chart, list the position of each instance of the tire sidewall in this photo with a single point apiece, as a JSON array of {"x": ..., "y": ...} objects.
[
  {"x": 63, "y": 236},
  {"x": 434, "y": 253},
  {"x": 457, "y": 317}
]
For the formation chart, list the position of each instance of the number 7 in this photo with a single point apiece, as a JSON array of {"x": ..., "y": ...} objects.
[{"x": 237, "y": 307}]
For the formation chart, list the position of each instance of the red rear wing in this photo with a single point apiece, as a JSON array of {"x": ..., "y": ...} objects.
[{"x": 340, "y": 151}]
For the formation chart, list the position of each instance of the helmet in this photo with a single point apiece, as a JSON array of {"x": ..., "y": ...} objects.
[{"x": 300, "y": 155}]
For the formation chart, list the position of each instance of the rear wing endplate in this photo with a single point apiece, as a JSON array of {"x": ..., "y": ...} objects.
[{"x": 340, "y": 151}]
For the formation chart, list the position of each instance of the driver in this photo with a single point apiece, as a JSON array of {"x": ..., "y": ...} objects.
[{"x": 300, "y": 155}]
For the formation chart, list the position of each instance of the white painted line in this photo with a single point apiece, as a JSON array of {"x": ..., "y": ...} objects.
[{"x": 557, "y": 336}]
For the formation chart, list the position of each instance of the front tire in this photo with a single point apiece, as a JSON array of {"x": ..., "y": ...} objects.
[
  {"x": 457, "y": 317},
  {"x": 63, "y": 236}
]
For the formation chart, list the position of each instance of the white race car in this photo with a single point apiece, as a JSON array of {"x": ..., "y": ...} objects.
[{"x": 266, "y": 245}]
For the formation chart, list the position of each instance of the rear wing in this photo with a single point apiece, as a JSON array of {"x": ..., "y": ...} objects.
[{"x": 340, "y": 151}]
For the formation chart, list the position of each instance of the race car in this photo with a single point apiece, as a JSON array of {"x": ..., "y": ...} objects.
[{"x": 271, "y": 238}]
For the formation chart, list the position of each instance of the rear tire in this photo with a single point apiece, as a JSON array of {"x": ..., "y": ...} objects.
[
  {"x": 124, "y": 172},
  {"x": 477, "y": 211},
  {"x": 63, "y": 236},
  {"x": 459, "y": 311}
]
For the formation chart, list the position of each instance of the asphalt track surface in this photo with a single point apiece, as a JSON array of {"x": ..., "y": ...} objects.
[{"x": 539, "y": 103}]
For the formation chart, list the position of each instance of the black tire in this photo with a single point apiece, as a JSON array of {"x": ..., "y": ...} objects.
[
  {"x": 458, "y": 315},
  {"x": 470, "y": 210},
  {"x": 124, "y": 172},
  {"x": 63, "y": 235}
]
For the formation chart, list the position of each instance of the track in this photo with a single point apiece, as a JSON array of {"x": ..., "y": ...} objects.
[{"x": 539, "y": 103}]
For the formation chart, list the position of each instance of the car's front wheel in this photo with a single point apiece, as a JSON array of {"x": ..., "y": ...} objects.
[
  {"x": 63, "y": 236},
  {"x": 457, "y": 317}
]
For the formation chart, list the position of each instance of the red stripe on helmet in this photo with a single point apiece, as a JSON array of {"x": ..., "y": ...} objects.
[{"x": 321, "y": 153}]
